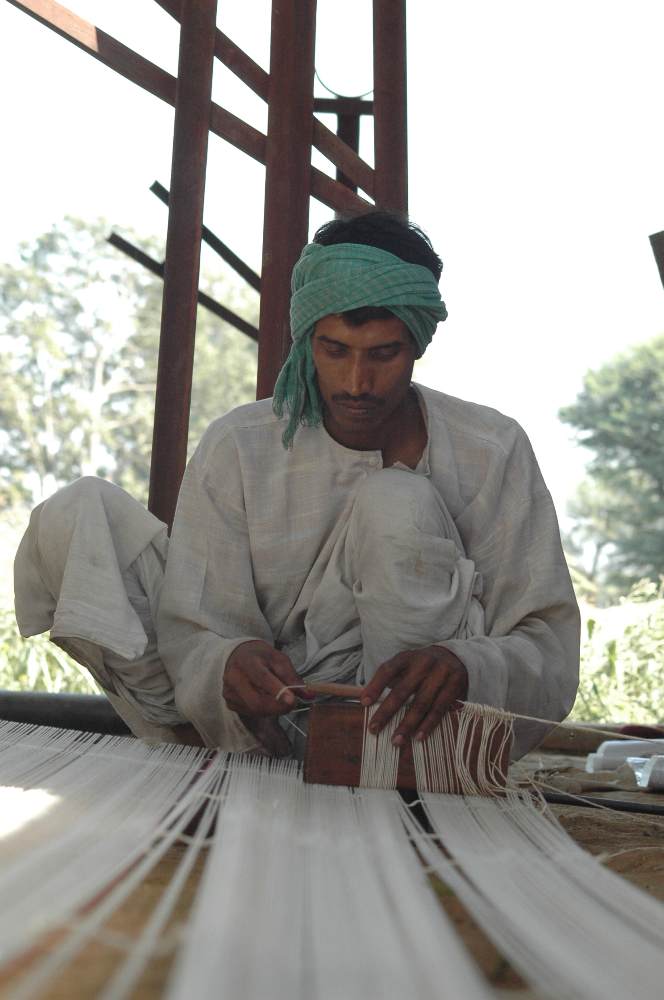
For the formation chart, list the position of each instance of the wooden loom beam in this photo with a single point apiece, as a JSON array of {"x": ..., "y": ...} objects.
[
  {"x": 348, "y": 130},
  {"x": 287, "y": 177},
  {"x": 183, "y": 251},
  {"x": 390, "y": 113}
]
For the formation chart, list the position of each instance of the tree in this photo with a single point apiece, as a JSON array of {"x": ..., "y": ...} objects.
[
  {"x": 619, "y": 415},
  {"x": 622, "y": 660},
  {"x": 79, "y": 331}
]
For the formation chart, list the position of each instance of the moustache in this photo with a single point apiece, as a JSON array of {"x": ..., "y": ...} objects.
[{"x": 365, "y": 399}]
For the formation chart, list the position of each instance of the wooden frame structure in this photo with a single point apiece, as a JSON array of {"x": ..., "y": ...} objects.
[
  {"x": 290, "y": 178},
  {"x": 657, "y": 244}
]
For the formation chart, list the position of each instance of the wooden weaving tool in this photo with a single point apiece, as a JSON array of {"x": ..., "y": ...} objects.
[{"x": 333, "y": 754}]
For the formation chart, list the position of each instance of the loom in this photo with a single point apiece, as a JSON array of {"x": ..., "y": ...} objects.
[
  {"x": 309, "y": 892},
  {"x": 468, "y": 758}
]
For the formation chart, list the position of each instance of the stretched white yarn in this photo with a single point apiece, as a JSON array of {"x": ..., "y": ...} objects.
[
  {"x": 380, "y": 759},
  {"x": 314, "y": 893},
  {"x": 108, "y": 800},
  {"x": 91, "y": 926},
  {"x": 442, "y": 761},
  {"x": 571, "y": 927}
]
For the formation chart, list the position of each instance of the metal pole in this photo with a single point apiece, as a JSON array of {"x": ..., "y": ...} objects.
[
  {"x": 287, "y": 176},
  {"x": 390, "y": 131},
  {"x": 91, "y": 713},
  {"x": 183, "y": 248}
]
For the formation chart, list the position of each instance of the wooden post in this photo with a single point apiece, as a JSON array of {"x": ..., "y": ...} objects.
[
  {"x": 390, "y": 131},
  {"x": 287, "y": 177},
  {"x": 348, "y": 129},
  {"x": 183, "y": 247},
  {"x": 657, "y": 244}
]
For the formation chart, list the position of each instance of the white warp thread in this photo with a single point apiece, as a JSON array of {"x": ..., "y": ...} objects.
[
  {"x": 442, "y": 761},
  {"x": 310, "y": 891},
  {"x": 107, "y": 800},
  {"x": 91, "y": 926},
  {"x": 571, "y": 927},
  {"x": 314, "y": 893},
  {"x": 380, "y": 760}
]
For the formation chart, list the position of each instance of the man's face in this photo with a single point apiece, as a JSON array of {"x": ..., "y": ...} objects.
[{"x": 363, "y": 376}]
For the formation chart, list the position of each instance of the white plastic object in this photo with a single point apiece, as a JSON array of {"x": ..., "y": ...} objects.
[
  {"x": 611, "y": 754},
  {"x": 649, "y": 772}
]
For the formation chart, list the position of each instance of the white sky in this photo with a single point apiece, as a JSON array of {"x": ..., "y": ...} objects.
[{"x": 536, "y": 166}]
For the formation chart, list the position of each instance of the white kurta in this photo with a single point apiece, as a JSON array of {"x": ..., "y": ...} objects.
[{"x": 255, "y": 525}]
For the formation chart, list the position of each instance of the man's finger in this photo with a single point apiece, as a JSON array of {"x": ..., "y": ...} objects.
[
  {"x": 417, "y": 711},
  {"x": 384, "y": 677},
  {"x": 247, "y": 691},
  {"x": 397, "y": 697},
  {"x": 443, "y": 703},
  {"x": 282, "y": 667},
  {"x": 272, "y": 686},
  {"x": 255, "y": 677},
  {"x": 258, "y": 700}
]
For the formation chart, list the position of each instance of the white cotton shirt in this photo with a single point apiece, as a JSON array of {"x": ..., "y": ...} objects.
[{"x": 254, "y": 523}]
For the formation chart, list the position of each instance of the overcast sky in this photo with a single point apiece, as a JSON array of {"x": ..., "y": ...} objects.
[{"x": 536, "y": 155}]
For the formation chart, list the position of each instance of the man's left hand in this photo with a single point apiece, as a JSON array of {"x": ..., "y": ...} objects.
[{"x": 434, "y": 677}]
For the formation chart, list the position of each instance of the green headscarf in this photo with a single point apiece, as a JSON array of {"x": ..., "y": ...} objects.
[{"x": 328, "y": 280}]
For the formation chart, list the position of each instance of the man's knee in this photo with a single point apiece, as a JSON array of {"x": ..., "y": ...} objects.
[
  {"x": 82, "y": 491},
  {"x": 60, "y": 511}
]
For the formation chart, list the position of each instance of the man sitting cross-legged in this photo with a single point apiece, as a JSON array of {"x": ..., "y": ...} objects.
[
  {"x": 361, "y": 528},
  {"x": 357, "y": 527}
]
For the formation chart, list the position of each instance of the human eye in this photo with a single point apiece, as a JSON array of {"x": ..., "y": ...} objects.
[
  {"x": 335, "y": 350},
  {"x": 386, "y": 353}
]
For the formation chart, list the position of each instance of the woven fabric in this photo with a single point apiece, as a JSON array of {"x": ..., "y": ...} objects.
[{"x": 328, "y": 280}]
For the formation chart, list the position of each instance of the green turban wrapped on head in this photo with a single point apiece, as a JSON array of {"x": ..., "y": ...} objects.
[{"x": 329, "y": 280}]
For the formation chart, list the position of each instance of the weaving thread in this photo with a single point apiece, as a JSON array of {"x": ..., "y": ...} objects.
[
  {"x": 442, "y": 761},
  {"x": 313, "y": 892},
  {"x": 110, "y": 798},
  {"x": 550, "y": 908}
]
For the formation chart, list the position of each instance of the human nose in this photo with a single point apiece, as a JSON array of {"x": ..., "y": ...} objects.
[{"x": 360, "y": 377}]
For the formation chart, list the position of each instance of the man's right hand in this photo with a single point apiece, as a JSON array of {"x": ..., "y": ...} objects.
[{"x": 255, "y": 674}]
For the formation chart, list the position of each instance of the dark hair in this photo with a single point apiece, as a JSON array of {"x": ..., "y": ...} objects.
[{"x": 387, "y": 231}]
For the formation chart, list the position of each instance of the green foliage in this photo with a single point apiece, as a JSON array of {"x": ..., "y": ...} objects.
[
  {"x": 79, "y": 332},
  {"x": 619, "y": 416},
  {"x": 622, "y": 660},
  {"x": 37, "y": 664}
]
